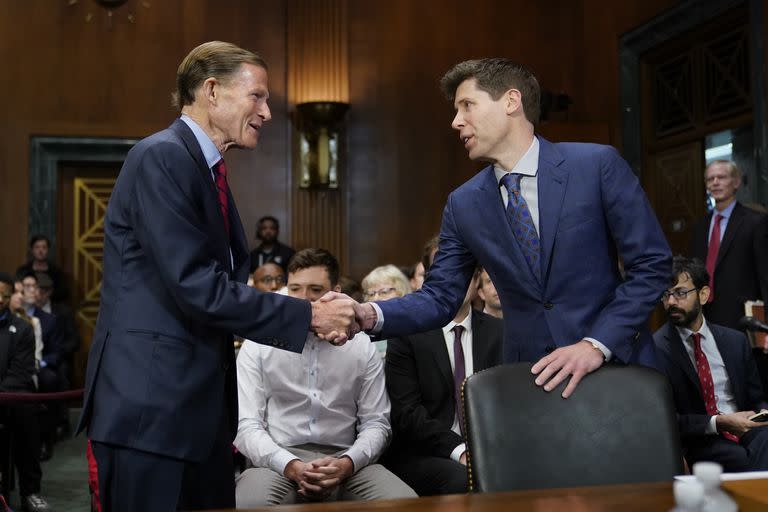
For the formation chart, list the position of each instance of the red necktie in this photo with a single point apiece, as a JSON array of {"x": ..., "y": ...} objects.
[
  {"x": 459, "y": 373},
  {"x": 712, "y": 250},
  {"x": 705, "y": 379},
  {"x": 220, "y": 171}
]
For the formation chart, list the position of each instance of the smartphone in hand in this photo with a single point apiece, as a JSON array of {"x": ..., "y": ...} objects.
[{"x": 760, "y": 417}]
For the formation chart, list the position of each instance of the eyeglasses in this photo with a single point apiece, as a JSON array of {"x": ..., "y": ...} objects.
[
  {"x": 278, "y": 280},
  {"x": 677, "y": 294},
  {"x": 379, "y": 293}
]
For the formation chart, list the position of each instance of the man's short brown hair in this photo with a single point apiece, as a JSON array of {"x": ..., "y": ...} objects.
[
  {"x": 215, "y": 59},
  {"x": 307, "y": 258},
  {"x": 496, "y": 76}
]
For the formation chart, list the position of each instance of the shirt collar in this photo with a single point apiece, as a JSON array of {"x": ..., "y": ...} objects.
[
  {"x": 210, "y": 151},
  {"x": 528, "y": 165},
  {"x": 685, "y": 332},
  {"x": 466, "y": 324},
  {"x": 727, "y": 212}
]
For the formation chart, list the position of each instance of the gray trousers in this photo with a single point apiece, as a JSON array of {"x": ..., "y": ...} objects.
[{"x": 259, "y": 487}]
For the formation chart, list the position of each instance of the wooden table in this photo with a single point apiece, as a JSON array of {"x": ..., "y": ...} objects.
[{"x": 751, "y": 495}]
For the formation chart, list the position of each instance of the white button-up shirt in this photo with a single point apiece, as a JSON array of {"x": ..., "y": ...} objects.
[{"x": 327, "y": 395}]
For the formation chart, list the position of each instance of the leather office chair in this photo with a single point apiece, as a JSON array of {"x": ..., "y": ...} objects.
[{"x": 619, "y": 426}]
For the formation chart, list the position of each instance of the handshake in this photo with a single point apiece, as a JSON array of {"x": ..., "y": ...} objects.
[{"x": 336, "y": 317}]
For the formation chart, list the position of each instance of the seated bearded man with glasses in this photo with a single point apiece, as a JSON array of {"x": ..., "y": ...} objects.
[{"x": 715, "y": 382}]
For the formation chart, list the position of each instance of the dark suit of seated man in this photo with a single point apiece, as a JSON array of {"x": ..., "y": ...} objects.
[
  {"x": 714, "y": 378},
  {"x": 428, "y": 450}
]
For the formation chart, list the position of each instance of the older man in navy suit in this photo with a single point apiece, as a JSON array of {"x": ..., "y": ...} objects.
[
  {"x": 549, "y": 223},
  {"x": 714, "y": 378},
  {"x": 160, "y": 402}
]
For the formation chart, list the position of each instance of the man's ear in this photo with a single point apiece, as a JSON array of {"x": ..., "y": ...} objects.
[
  {"x": 514, "y": 101},
  {"x": 210, "y": 89},
  {"x": 337, "y": 288},
  {"x": 704, "y": 294}
]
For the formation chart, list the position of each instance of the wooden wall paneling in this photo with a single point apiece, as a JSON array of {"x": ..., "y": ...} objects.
[
  {"x": 317, "y": 60},
  {"x": 75, "y": 78}
]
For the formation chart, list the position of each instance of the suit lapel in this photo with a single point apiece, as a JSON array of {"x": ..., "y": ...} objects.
[
  {"x": 436, "y": 342},
  {"x": 480, "y": 356},
  {"x": 730, "y": 360},
  {"x": 680, "y": 354},
  {"x": 552, "y": 182},
  {"x": 210, "y": 200},
  {"x": 734, "y": 223},
  {"x": 495, "y": 218}
]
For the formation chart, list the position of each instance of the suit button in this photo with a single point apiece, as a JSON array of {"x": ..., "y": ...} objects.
[
  {"x": 548, "y": 305},
  {"x": 549, "y": 349}
]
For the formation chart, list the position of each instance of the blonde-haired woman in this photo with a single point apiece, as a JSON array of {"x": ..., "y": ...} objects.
[{"x": 384, "y": 283}]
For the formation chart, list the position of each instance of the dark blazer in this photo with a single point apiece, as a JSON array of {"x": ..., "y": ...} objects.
[
  {"x": 592, "y": 213},
  {"x": 52, "y": 337},
  {"x": 741, "y": 269},
  {"x": 17, "y": 354},
  {"x": 280, "y": 255},
  {"x": 421, "y": 389},
  {"x": 161, "y": 366},
  {"x": 742, "y": 372}
]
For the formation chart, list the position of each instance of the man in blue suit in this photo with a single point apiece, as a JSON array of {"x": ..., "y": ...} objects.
[
  {"x": 714, "y": 378},
  {"x": 160, "y": 404},
  {"x": 550, "y": 223}
]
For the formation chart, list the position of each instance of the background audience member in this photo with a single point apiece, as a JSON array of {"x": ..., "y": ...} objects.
[
  {"x": 733, "y": 243},
  {"x": 269, "y": 277},
  {"x": 418, "y": 276},
  {"x": 270, "y": 249},
  {"x": 50, "y": 377},
  {"x": 714, "y": 378},
  {"x": 40, "y": 261},
  {"x": 490, "y": 297},
  {"x": 384, "y": 283},
  {"x": 424, "y": 376},
  {"x": 17, "y": 307},
  {"x": 313, "y": 424},
  {"x": 351, "y": 287},
  {"x": 17, "y": 368}
]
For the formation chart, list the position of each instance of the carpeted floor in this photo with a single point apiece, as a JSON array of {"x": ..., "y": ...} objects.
[{"x": 65, "y": 476}]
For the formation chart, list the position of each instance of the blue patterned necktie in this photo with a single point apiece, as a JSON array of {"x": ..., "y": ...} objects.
[{"x": 519, "y": 217}]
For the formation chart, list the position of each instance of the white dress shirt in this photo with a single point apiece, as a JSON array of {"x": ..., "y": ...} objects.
[
  {"x": 327, "y": 395},
  {"x": 724, "y": 399},
  {"x": 466, "y": 344}
]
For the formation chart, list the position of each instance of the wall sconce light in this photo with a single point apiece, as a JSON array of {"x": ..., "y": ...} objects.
[{"x": 320, "y": 129}]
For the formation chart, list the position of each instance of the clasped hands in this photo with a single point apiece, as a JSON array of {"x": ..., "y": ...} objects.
[
  {"x": 318, "y": 478},
  {"x": 336, "y": 317}
]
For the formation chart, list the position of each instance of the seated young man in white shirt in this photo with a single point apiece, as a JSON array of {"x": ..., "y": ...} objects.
[{"x": 314, "y": 423}]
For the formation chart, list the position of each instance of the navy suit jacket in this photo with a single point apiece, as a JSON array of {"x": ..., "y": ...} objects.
[
  {"x": 161, "y": 366},
  {"x": 592, "y": 213},
  {"x": 739, "y": 363},
  {"x": 421, "y": 389}
]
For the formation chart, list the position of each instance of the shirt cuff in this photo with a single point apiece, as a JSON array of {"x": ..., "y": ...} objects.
[
  {"x": 359, "y": 460},
  {"x": 711, "y": 426},
  {"x": 379, "y": 318},
  {"x": 280, "y": 461},
  {"x": 605, "y": 350},
  {"x": 456, "y": 453}
]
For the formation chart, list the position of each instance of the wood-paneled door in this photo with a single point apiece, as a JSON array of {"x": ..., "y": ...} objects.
[{"x": 83, "y": 193}]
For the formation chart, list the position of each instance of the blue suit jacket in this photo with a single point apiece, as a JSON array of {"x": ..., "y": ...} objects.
[
  {"x": 592, "y": 212},
  {"x": 742, "y": 371},
  {"x": 161, "y": 367}
]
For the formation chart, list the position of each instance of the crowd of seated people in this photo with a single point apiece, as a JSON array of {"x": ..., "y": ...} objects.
[{"x": 399, "y": 431}]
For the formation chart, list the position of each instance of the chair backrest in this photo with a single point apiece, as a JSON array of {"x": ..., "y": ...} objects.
[{"x": 619, "y": 426}]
